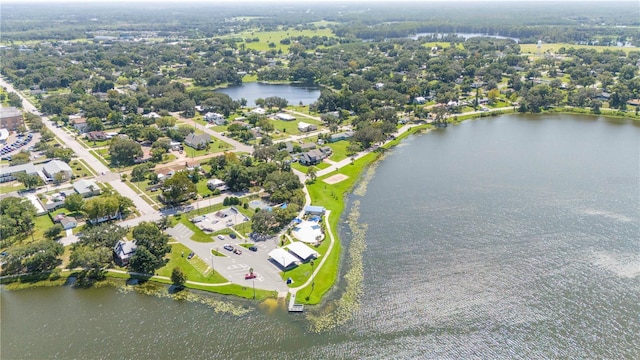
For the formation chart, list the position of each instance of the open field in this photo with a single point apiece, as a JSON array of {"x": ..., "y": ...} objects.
[
  {"x": 266, "y": 37},
  {"x": 533, "y": 48}
]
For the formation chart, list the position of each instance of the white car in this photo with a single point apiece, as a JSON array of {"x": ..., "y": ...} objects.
[{"x": 221, "y": 237}]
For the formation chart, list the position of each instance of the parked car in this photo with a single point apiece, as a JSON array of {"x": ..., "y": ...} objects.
[
  {"x": 221, "y": 237},
  {"x": 253, "y": 248},
  {"x": 228, "y": 247},
  {"x": 250, "y": 276},
  {"x": 237, "y": 251},
  {"x": 232, "y": 235},
  {"x": 191, "y": 254}
]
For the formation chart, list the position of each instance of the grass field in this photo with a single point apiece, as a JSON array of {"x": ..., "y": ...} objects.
[
  {"x": 533, "y": 48},
  {"x": 266, "y": 37}
]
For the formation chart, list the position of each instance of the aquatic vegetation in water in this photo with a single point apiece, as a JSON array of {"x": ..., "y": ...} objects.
[
  {"x": 342, "y": 310},
  {"x": 361, "y": 189}
]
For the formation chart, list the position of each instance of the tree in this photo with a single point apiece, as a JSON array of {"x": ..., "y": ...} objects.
[
  {"x": 30, "y": 181},
  {"x": 311, "y": 174},
  {"x": 74, "y": 202},
  {"x": 124, "y": 151},
  {"x": 140, "y": 172},
  {"x": 16, "y": 216},
  {"x": 103, "y": 235},
  {"x": 54, "y": 231},
  {"x": 178, "y": 277},
  {"x": 493, "y": 95},
  {"x": 178, "y": 188},
  {"x": 88, "y": 257},
  {"x": 149, "y": 235},
  {"x": 143, "y": 261},
  {"x": 20, "y": 158},
  {"x": 264, "y": 223}
]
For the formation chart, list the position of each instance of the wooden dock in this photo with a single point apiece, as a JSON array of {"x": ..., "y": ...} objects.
[{"x": 293, "y": 307}]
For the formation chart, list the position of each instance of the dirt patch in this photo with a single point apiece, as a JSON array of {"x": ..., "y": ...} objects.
[{"x": 335, "y": 179}]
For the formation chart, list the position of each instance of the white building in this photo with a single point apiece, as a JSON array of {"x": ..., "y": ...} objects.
[
  {"x": 305, "y": 127},
  {"x": 283, "y": 258},
  {"x": 216, "y": 118},
  {"x": 303, "y": 251},
  {"x": 285, "y": 117},
  {"x": 54, "y": 167}
]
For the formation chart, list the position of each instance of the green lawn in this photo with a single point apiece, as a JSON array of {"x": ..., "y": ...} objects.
[
  {"x": 79, "y": 169},
  {"x": 266, "y": 37},
  {"x": 195, "y": 268},
  {"x": 339, "y": 150},
  {"x": 41, "y": 224},
  {"x": 11, "y": 187}
]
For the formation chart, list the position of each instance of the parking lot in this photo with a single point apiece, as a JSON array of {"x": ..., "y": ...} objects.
[
  {"x": 17, "y": 142},
  {"x": 234, "y": 266}
]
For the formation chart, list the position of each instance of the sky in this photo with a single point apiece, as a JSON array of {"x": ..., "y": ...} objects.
[{"x": 275, "y": 1}]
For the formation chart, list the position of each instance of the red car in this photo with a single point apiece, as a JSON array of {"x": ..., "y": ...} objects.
[{"x": 250, "y": 276}]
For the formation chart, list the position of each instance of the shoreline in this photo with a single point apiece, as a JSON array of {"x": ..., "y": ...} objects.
[{"x": 327, "y": 275}]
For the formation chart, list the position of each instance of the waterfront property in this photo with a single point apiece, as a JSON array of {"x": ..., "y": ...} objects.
[
  {"x": 314, "y": 210},
  {"x": 302, "y": 251},
  {"x": 283, "y": 258},
  {"x": 123, "y": 250},
  {"x": 309, "y": 232}
]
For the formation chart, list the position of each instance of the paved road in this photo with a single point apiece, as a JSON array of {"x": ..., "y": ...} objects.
[
  {"x": 83, "y": 153},
  {"x": 236, "y": 144}
]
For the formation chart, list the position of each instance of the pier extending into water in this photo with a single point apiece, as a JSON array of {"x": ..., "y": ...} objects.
[{"x": 293, "y": 307}]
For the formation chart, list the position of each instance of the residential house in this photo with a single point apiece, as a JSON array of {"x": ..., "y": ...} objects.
[
  {"x": 96, "y": 136},
  {"x": 68, "y": 222},
  {"x": 216, "y": 118},
  {"x": 634, "y": 102},
  {"x": 10, "y": 118},
  {"x": 215, "y": 184},
  {"x": 419, "y": 100},
  {"x": 285, "y": 117},
  {"x": 340, "y": 136},
  {"x": 308, "y": 146},
  {"x": 55, "y": 167},
  {"x": 86, "y": 187},
  {"x": 312, "y": 157},
  {"x": 259, "y": 111},
  {"x": 305, "y": 127},
  {"x": 79, "y": 123},
  {"x": 123, "y": 251},
  {"x": 152, "y": 115},
  {"x": 197, "y": 141}
]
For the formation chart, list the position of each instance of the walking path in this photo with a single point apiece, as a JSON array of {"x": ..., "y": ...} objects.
[{"x": 324, "y": 258}]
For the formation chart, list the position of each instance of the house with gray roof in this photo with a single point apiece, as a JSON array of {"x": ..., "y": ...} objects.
[
  {"x": 86, "y": 187},
  {"x": 197, "y": 141},
  {"x": 54, "y": 167},
  {"x": 123, "y": 251}
]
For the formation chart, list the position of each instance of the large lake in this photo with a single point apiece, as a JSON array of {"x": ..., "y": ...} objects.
[
  {"x": 294, "y": 93},
  {"x": 510, "y": 237}
]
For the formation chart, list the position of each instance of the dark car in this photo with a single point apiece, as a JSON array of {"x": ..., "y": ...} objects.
[
  {"x": 253, "y": 248},
  {"x": 191, "y": 254},
  {"x": 228, "y": 247},
  {"x": 232, "y": 235}
]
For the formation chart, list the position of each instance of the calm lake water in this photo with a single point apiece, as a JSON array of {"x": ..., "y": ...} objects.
[
  {"x": 466, "y": 36},
  {"x": 294, "y": 93},
  {"x": 513, "y": 237}
]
